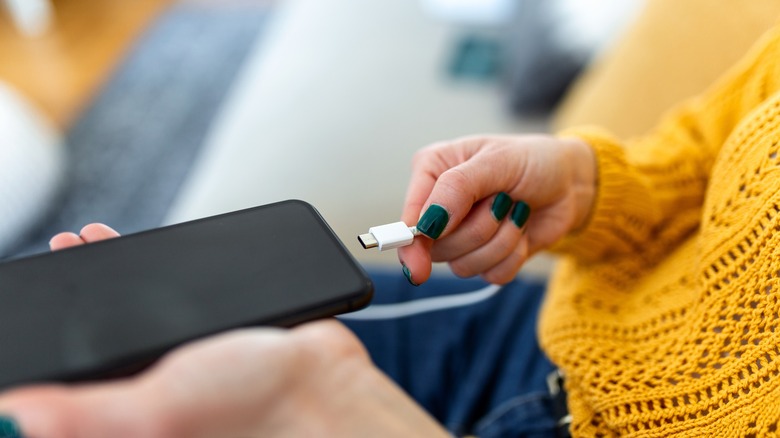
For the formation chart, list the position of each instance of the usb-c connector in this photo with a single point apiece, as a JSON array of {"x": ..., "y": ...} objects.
[
  {"x": 368, "y": 241},
  {"x": 388, "y": 236}
]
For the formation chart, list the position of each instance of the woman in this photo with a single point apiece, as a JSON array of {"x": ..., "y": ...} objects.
[{"x": 663, "y": 316}]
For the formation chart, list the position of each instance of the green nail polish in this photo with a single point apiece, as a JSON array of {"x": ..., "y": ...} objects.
[
  {"x": 520, "y": 214},
  {"x": 433, "y": 222},
  {"x": 9, "y": 428},
  {"x": 501, "y": 206},
  {"x": 408, "y": 275}
]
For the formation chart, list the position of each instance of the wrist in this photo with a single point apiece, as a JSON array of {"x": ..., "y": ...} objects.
[{"x": 584, "y": 180}]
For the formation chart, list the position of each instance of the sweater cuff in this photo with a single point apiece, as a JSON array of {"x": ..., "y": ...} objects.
[{"x": 619, "y": 197}]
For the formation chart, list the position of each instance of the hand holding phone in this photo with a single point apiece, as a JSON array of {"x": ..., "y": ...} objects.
[
  {"x": 261, "y": 382},
  {"x": 227, "y": 385},
  {"x": 116, "y": 305}
]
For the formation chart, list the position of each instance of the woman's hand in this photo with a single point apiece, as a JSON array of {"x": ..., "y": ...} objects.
[
  {"x": 465, "y": 189},
  {"x": 313, "y": 380},
  {"x": 88, "y": 234}
]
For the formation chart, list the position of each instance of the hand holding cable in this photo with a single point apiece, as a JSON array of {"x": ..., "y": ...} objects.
[{"x": 461, "y": 193}]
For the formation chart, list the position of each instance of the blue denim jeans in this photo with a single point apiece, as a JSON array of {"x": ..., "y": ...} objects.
[{"x": 464, "y": 350}]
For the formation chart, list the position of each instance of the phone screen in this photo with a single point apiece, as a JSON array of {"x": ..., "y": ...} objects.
[{"x": 88, "y": 310}]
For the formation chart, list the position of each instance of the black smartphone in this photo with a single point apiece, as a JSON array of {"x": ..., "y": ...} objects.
[{"x": 113, "y": 307}]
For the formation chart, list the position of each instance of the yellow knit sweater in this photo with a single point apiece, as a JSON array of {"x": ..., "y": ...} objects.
[{"x": 665, "y": 312}]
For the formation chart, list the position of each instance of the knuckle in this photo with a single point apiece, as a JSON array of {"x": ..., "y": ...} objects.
[
  {"x": 420, "y": 157},
  {"x": 506, "y": 247},
  {"x": 461, "y": 269},
  {"x": 507, "y": 269},
  {"x": 427, "y": 153},
  {"x": 494, "y": 277},
  {"x": 332, "y": 339},
  {"x": 455, "y": 178}
]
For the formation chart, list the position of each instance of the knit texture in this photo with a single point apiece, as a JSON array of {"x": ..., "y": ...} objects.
[{"x": 664, "y": 313}]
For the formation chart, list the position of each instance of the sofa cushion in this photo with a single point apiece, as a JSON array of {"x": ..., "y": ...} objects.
[{"x": 673, "y": 51}]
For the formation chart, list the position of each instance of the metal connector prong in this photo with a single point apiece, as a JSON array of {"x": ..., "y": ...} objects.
[{"x": 368, "y": 241}]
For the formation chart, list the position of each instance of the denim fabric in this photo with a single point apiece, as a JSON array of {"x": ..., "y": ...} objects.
[
  {"x": 529, "y": 415},
  {"x": 476, "y": 368}
]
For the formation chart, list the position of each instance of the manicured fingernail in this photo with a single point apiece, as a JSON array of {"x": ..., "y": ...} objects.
[
  {"x": 9, "y": 428},
  {"x": 433, "y": 222},
  {"x": 501, "y": 206},
  {"x": 520, "y": 214},
  {"x": 408, "y": 275}
]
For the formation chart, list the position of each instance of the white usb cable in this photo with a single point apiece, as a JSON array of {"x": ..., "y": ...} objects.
[{"x": 388, "y": 236}]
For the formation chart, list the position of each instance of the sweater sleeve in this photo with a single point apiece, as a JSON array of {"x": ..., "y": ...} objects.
[{"x": 651, "y": 189}]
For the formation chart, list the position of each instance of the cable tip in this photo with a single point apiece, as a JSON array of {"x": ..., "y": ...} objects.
[{"x": 368, "y": 241}]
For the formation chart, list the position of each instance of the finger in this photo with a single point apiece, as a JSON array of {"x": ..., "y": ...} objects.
[
  {"x": 427, "y": 165},
  {"x": 475, "y": 230},
  {"x": 96, "y": 232},
  {"x": 87, "y": 411},
  {"x": 507, "y": 269},
  {"x": 456, "y": 190},
  {"x": 545, "y": 228},
  {"x": 416, "y": 261},
  {"x": 503, "y": 244},
  {"x": 65, "y": 240}
]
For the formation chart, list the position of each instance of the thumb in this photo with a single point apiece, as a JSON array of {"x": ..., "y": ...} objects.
[{"x": 54, "y": 411}]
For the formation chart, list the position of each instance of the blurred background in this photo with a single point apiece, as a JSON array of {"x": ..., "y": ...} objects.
[{"x": 145, "y": 113}]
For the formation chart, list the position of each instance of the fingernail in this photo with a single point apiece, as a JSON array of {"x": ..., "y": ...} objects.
[
  {"x": 520, "y": 213},
  {"x": 433, "y": 222},
  {"x": 408, "y": 275},
  {"x": 501, "y": 206},
  {"x": 9, "y": 428}
]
